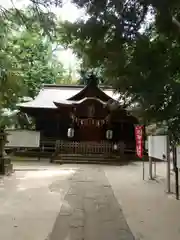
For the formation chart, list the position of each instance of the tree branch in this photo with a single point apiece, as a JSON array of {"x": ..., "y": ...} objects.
[
  {"x": 176, "y": 22},
  {"x": 57, "y": 48}
]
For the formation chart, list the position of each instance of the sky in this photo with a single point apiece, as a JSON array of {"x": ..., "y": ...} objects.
[{"x": 68, "y": 12}]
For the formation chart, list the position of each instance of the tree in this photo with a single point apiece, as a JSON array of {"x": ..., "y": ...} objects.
[
  {"x": 138, "y": 57},
  {"x": 112, "y": 40},
  {"x": 26, "y": 60},
  {"x": 10, "y": 83},
  {"x": 126, "y": 16},
  {"x": 31, "y": 55},
  {"x": 87, "y": 73},
  {"x": 34, "y": 58},
  {"x": 37, "y": 13}
]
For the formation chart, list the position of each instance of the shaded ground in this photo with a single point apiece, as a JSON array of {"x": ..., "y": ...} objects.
[{"x": 41, "y": 201}]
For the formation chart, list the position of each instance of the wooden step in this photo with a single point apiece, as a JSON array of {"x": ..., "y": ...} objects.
[{"x": 79, "y": 158}]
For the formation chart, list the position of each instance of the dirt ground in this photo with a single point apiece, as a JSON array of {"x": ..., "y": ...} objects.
[
  {"x": 150, "y": 212},
  {"x": 32, "y": 197}
]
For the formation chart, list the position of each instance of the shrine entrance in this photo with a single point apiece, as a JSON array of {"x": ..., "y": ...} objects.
[{"x": 90, "y": 133}]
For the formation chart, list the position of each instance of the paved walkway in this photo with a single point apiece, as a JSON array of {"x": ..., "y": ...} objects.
[{"x": 90, "y": 211}]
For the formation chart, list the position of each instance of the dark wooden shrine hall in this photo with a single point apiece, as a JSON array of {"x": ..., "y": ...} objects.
[{"x": 79, "y": 113}]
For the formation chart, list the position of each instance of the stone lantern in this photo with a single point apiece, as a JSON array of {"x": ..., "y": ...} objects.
[{"x": 5, "y": 162}]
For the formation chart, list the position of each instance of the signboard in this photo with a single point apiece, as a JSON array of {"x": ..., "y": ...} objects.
[
  {"x": 23, "y": 138},
  {"x": 146, "y": 144},
  {"x": 157, "y": 147},
  {"x": 139, "y": 140},
  {"x": 178, "y": 156}
]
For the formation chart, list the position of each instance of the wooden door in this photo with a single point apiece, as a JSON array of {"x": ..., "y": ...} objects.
[{"x": 90, "y": 133}]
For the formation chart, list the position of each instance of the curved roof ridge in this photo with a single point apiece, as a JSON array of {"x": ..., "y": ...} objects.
[
  {"x": 91, "y": 98},
  {"x": 74, "y": 86},
  {"x": 86, "y": 88}
]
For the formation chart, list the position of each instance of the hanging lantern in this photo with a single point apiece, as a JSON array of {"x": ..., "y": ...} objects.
[
  {"x": 109, "y": 134},
  {"x": 70, "y": 132},
  {"x": 98, "y": 124},
  {"x": 115, "y": 147}
]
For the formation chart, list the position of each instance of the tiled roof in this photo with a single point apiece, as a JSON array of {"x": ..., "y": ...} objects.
[{"x": 60, "y": 93}]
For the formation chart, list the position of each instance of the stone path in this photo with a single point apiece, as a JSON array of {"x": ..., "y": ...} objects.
[{"x": 90, "y": 211}]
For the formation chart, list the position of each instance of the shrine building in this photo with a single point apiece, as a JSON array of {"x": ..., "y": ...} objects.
[{"x": 78, "y": 115}]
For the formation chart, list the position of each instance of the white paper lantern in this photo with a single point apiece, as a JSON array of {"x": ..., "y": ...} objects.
[
  {"x": 109, "y": 134},
  {"x": 70, "y": 132},
  {"x": 115, "y": 147}
]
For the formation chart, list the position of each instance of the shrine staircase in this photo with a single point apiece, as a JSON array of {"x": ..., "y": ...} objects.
[
  {"x": 93, "y": 158},
  {"x": 90, "y": 152}
]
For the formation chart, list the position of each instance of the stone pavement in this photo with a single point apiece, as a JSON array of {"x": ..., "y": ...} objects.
[{"x": 90, "y": 210}]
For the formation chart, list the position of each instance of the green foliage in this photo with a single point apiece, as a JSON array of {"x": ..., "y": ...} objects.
[
  {"x": 27, "y": 59},
  {"x": 142, "y": 64},
  {"x": 9, "y": 74},
  {"x": 86, "y": 75},
  {"x": 35, "y": 61},
  {"x": 139, "y": 58}
]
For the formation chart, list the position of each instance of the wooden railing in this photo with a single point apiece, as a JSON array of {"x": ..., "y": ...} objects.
[
  {"x": 48, "y": 145},
  {"x": 103, "y": 147}
]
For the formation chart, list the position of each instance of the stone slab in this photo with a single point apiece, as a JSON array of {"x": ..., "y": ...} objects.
[{"x": 90, "y": 211}]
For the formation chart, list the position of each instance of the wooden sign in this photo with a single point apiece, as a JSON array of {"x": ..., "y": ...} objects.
[
  {"x": 157, "y": 147},
  {"x": 23, "y": 138}
]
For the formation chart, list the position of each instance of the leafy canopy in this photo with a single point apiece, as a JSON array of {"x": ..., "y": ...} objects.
[
  {"x": 27, "y": 58},
  {"x": 138, "y": 56}
]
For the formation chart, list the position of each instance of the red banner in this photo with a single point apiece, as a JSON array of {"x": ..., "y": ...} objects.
[{"x": 139, "y": 140}]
